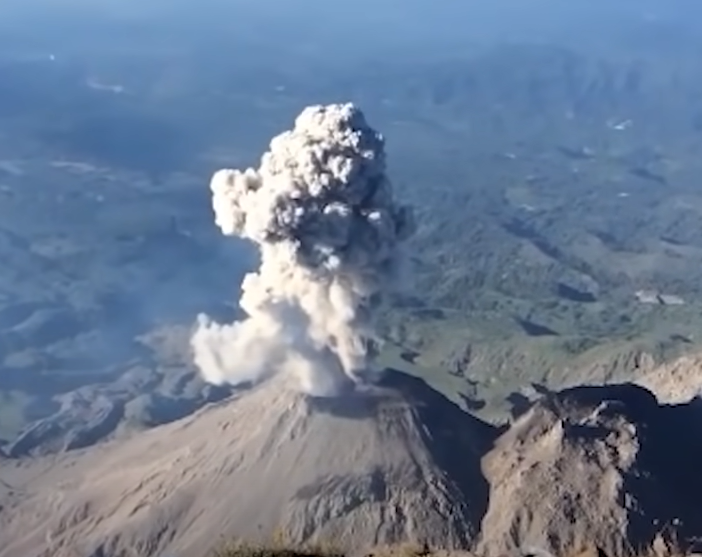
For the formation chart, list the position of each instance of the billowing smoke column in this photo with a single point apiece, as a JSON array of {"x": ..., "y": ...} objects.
[{"x": 321, "y": 210}]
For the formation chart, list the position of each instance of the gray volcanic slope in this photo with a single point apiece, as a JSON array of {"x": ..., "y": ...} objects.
[
  {"x": 396, "y": 462},
  {"x": 604, "y": 465}
]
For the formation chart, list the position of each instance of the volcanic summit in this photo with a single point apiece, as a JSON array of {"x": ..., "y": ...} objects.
[{"x": 388, "y": 463}]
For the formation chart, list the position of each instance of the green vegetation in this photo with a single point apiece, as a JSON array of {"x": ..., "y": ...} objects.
[{"x": 552, "y": 183}]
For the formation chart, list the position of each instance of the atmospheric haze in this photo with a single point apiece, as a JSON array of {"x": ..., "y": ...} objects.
[{"x": 321, "y": 210}]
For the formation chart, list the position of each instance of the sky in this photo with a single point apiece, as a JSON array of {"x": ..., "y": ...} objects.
[{"x": 361, "y": 28}]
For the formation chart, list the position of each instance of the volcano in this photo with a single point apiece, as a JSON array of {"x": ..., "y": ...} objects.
[{"x": 383, "y": 464}]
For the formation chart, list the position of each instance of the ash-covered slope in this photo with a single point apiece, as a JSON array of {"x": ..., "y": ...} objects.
[
  {"x": 603, "y": 465},
  {"x": 676, "y": 381},
  {"x": 397, "y": 462}
]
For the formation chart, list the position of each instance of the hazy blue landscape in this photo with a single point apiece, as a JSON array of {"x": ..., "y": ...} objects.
[{"x": 551, "y": 149}]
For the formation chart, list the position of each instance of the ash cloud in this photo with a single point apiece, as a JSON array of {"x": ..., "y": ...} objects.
[{"x": 321, "y": 211}]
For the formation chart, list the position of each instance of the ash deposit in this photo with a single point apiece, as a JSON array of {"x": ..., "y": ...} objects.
[
  {"x": 386, "y": 464},
  {"x": 605, "y": 466}
]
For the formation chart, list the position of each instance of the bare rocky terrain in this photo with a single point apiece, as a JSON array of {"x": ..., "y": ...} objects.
[
  {"x": 608, "y": 465},
  {"x": 378, "y": 466}
]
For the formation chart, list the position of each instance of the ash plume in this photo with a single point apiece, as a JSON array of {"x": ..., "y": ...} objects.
[{"x": 321, "y": 210}]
